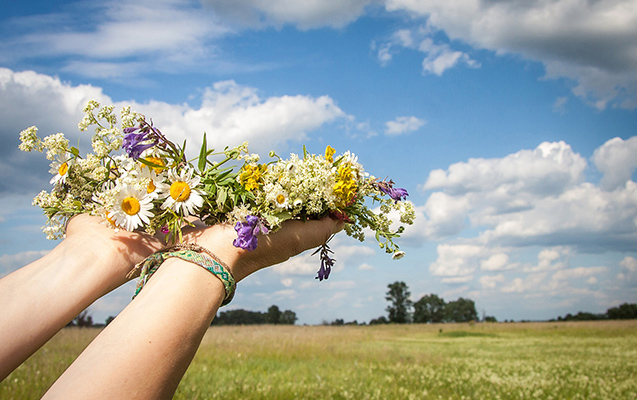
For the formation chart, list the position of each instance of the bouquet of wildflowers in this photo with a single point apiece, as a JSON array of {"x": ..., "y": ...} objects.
[{"x": 152, "y": 186}]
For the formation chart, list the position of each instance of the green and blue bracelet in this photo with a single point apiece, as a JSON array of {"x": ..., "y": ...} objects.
[{"x": 188, "y": 252}]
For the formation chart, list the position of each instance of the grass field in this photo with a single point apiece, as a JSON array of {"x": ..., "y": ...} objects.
[{"x": 574, "y": 360}]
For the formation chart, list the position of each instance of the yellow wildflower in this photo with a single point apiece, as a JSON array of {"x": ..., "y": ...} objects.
[
  {"x": 251, "y": 176},
  {"x": 329, "y": 153},
  {"x": 346, "y": 184}
]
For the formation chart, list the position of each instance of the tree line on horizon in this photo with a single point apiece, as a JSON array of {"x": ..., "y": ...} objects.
[{"x": 429, "y": 308}]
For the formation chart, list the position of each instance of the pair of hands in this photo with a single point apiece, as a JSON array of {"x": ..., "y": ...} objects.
[{"x": 125, "y": 249}]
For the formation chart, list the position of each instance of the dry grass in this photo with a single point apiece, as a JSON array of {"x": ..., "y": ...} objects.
[{"x": 572, "y": 360}]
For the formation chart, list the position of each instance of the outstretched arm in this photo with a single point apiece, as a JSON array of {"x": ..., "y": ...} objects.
[
  {"x": 146, "y": 350},
  {"x": 90, "y": 262}
]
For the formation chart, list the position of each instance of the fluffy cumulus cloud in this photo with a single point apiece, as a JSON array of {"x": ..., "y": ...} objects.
[
  {"x": 403, "y": 125},
  {"x": 490, "y": 217},
  {"x": 591, "y": 42},
  {"x": 229, "y": 113}
]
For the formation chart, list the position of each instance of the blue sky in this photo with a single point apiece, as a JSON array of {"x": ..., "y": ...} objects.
[{"x": 512, "y": 125}]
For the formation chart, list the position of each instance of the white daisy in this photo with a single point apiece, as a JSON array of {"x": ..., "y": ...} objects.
[
  {"x": 60, "y": 168},
  {"x": 280, "y": 199},
  {"x": 132, "y": 208},
  {"x": 155, "y": 182},
  {"x": 183, "y": 195}
]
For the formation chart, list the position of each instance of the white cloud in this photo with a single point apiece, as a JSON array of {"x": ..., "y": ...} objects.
[
  {"x": 458, "y": 279},
  {"x": 617, "y": 160},
  {"x": 229, "y": 113},
  {"x": 629, "y": 264},
  {"x": 303, "y": 14},
  {"x": 532, "y": 197},
  {"x": 439, "y": 57},
  {"x": 579, "y": 272},
  {"x": 459, "y": 259},
  {"x": 549, "y": 168},
  {"x": 551, "y": 259},
  {"x": 135, "y": 33},
  {"x": 491, "y": 281},
  {"x": 591, "y": 42},
  {"x": 496, "y": 262},
  {"x": 365, "y": 267},
  {"x": 403, "y": 125},
  {"x": 519, "y": 285}
]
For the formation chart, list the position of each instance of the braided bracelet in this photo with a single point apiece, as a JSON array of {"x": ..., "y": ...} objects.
[{"x": 188, "y": 252}]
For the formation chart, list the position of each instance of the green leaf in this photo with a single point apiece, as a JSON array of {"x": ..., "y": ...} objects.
[
  {"x": 75, "y": 151},
  {"x": 222, "y": 195},
  {"x": 203, "y": 154},
  {"x": 150, "y": 164}
]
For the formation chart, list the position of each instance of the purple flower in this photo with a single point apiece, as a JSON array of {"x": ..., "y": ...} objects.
[
  {"x": 388, "y": 188},
  {"x": 247, "y": 232},
  {"x": 135, "y": 143},
  {"x": 326, "y": 262}
]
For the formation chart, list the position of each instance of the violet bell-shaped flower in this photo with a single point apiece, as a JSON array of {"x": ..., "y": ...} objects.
[
  {"x": 135, "y": 143},
  {"x": 397, "y": 194},
  {"x": 326, "y": 262},
  {"x": 247, "y": 233}
]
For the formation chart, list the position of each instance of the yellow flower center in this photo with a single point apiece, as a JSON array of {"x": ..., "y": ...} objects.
[
  {"x": 151, "y": 187},
  {"x": 64, "y": 168},
  {"x": 180, "y": 191},
  {"x": 130, "y": 205},
  {"x": 280, "y": 199}
]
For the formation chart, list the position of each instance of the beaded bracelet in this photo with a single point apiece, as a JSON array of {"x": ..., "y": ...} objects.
[{"x": 188, "y": 252}]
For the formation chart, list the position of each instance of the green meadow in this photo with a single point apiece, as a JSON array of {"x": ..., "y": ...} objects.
[{"x": 548, "y": 360}]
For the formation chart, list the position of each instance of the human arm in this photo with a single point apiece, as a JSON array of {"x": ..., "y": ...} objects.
[
  {"x": 41, "y": 298},
  {"x": 146, "y": 350}
]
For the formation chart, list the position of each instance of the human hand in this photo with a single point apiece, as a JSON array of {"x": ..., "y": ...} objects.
[
  {"x": 117, "y": 251},
  {"x": 293, "y": 238}
]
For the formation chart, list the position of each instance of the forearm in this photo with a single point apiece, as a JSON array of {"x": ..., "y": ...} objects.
[
  {"x": 41, "y": 298},
  {"x": 146, "y": 350}
]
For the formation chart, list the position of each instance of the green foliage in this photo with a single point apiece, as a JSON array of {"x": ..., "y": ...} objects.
[
  {"x": 461, "y": 310},
  {"x": 400, "y": 304},
  {"x": 245, "y": 317},
  {"x": 624, "y": 311},
  {"x": 430, "y": 308}
]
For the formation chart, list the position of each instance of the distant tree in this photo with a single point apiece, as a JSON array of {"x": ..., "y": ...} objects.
[
  {"x": 288, "y": 317},
  {"x": 400, "y": 304},
  {"x": 240, "y": 317},
  {"x": 461, "y": 310},
  {"x": 84, "y": 319},
  {"x": 429, "y": 308},
  {"x": 624, "y": 311},
  {"x": 274, "y": 315},
  {"x": 489, "y": 318},
  {"x": 378, "y": 321},
  {"x": 109, "y": 319}
]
